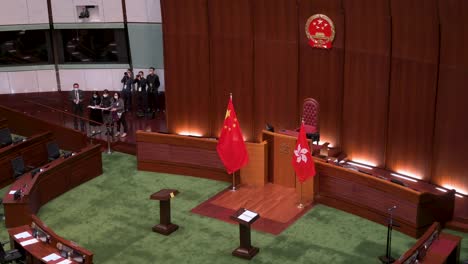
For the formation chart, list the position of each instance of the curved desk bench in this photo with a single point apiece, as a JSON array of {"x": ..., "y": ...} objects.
[
  {"x": 433, "y": 247},
  {"x": 57, "y": 177},
  {"x": 358, "y": 193},
  {"x": 33, "y": 150},
  {"x": 46, "y": 244}
]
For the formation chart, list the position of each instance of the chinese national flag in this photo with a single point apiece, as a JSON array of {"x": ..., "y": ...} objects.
[
  {"x": 302, "y": 160},
  {"x": 231, "y": 147}
]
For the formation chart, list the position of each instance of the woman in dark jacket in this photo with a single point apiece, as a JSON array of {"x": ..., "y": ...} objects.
[
  {"x": 118, "y": 114},
  {"x": 95, "y": 114},
  {"x": 106, "y": 104}
]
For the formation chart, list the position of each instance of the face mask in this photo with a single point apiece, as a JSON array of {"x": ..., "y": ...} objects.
[
  {"x": 105, "y": 95},
  {"x": 116, "y": 97},
  {"x": 95, "y": 96}
]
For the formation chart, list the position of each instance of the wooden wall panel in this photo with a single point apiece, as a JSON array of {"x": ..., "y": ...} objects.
[
  {"x": 187, "y": 70},
  {"x": 276, "y": 64},
  {"x": 415, "y": 49},
  {"x": 384, "y": 98},
  {"x": 450, "y": 141},
  {"x": 366, "y": 75},
  {"x": 231, "y": 56},
  {"x": 321, "y": 71}
]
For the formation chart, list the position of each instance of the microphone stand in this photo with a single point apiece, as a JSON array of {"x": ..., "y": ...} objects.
[{"x": 387, "y": 259}]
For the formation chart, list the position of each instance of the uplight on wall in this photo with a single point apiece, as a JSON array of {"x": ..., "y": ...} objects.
[
  {"x": 360, "y": 164},
  {"x": 190, "y": 133},
  {"x": 365, "y": 162},
  {"x": 409, "y": 174},
  {"x": 403, "y": 177},
  {"x": 458, "y": 190}
]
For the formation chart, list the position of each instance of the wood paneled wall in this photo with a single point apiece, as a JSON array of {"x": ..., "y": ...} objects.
[{"x": 391, "y": 90}]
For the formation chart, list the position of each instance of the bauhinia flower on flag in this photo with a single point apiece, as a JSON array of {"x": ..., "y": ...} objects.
[
  {"x": 302, "y": 160},
  {"x": 231, "y": 147}
]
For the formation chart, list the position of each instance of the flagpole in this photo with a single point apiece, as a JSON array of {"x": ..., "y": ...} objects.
[
  {"x": 233, "y": 182},
  {"x": 301, "y": 205}
]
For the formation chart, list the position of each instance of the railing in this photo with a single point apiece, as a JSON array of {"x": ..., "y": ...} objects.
[{"x": 64, "y": 118}]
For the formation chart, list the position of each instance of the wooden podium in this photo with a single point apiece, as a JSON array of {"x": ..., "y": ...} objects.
[
  {"x": 165, "y": 226},
  {"x": 245, "y": 218}
]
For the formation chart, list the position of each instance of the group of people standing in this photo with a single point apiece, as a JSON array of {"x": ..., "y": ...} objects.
[
  {"x": 146, "y": 90},
  {"x": 103, "y": 109},
  {"x": 111, "y": 110}
]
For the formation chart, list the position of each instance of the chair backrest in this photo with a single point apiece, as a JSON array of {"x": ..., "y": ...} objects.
[
  {"x": 53, "y": 151},
  {"x": 2, "y": 253},
  {"x": 5, "y": 137},
  {"x": 18, "y": 166},
  {"x": 310, "y": 112}
]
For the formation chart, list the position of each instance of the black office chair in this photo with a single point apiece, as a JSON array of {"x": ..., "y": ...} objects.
[
  {"x": 18, "y": 167},
  {"x": 10, "y": 256},
  {"x": 5, "y": 137},
  {"x": 53, "y": 151}
]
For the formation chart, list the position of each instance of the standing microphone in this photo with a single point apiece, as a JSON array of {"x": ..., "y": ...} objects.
[{"x": 392, "y": 208}]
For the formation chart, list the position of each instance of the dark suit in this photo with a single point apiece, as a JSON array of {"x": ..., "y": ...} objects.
[
  {"x": 127, "y": 89},
  {"x": 142, "y": 95},
  {"x": 76, "y": 98},
  {"x": 153, "y": 84}
]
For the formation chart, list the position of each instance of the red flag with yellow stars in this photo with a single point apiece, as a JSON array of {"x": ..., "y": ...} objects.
[{"x": 231, "y": 147}]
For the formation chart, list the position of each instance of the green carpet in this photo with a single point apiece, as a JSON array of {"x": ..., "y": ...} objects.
[{"x": 112, "y": 216}]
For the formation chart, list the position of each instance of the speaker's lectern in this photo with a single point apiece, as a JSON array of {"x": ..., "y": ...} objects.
[
  {"x": 245, "y": 218},
  {"x": 165, "y": 226}
]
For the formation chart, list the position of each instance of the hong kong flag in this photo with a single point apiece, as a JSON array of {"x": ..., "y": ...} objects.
[
  {"x": 231, "y": 147},
  {"x": 302, "y": 160}
]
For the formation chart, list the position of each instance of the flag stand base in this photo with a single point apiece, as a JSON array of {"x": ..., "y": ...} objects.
[{"x": 233, "y": 187}]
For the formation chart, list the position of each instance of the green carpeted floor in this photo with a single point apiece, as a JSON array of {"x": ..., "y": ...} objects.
[{"x": 112, "y": 216}]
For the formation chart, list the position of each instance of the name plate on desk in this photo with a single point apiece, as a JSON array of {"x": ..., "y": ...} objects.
[{"x": 29, "y": 242}]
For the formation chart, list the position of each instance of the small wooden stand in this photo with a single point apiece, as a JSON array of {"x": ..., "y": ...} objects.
[
  {"x": 245, "y": 218},
  {"x": 165, "y": 226}
]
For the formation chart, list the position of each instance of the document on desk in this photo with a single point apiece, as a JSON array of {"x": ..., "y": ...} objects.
[
  {"x": 247, "y": 215},
  {"x": 29, "y": 242},
  {"x": 22, "y": 235},
  {"x": 51, "y": 257},
  {"x": 12, "y": 192},
  {"x": 65, "y": 261}
]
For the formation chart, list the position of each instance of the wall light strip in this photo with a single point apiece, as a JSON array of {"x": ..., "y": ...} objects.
[
  {"x": 403, "y": 177},
  {"x": 458, "y": 190},
  {"x": 360, "y": 165},
  {"x": 459, "y": 196},
  {"x": 440, "y": 189}
]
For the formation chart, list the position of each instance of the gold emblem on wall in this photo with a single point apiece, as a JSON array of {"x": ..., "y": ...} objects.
[{"x": 320, "y": 31}]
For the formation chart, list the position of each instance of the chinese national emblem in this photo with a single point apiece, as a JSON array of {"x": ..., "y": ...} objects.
[{"x": 320, "y": 31}]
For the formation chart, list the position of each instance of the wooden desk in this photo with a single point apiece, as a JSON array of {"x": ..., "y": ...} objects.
[
  {"x": 33, "y": 151},
  {"x": 280, "y": 170},
  {"x": 196, "y": 157},
  {"x": 358, "y": 193},
  {"x": 26, "y": 125},
  {"x": 433, "y": 247},
  {"x": 34, "y": 253},
  {"x": 58, "y": 177}
]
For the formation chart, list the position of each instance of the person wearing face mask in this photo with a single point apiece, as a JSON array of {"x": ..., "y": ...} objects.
[
  {"x": 95, "y": 114},
  {"x": 118, "y": 114},
  {"x": 106, "y": 104},
  {"x": 76, "y": 97}
]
